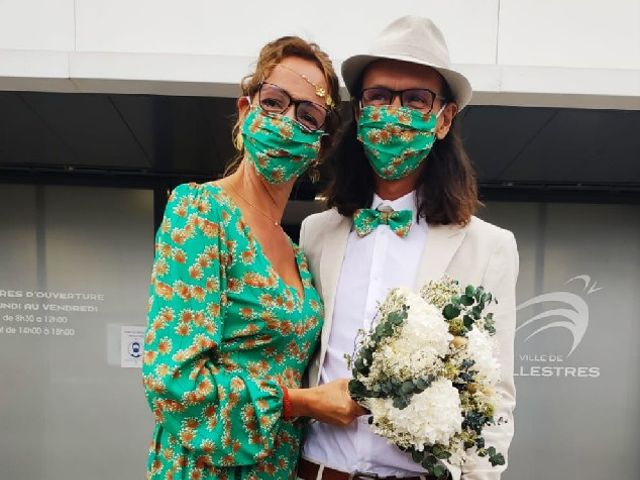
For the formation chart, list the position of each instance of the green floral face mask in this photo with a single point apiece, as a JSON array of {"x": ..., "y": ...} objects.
[
  {"x": 279, "y": 147},
  {"x": 396, "y": 139}
]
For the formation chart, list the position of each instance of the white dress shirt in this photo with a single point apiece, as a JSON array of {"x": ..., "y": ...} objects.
[{"x": 372, "y": 266}]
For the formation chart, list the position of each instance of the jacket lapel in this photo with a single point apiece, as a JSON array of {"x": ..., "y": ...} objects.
[
  {"x": 330, "y": 266},
  {"x": 442, "y": 243}
]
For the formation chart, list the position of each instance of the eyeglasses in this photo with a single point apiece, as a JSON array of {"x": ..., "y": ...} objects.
[
  {"x": 274, "y": 99},
  {"x": 416, "y": 98}
]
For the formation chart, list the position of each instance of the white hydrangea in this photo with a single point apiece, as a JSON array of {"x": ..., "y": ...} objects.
[
  {"x": 433, "y": 416},
  {"x": 423, "y": 339},
  {"x": 480, "y": 348}
]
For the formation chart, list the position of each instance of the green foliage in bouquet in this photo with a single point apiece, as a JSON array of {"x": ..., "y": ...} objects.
[{"x": 469, "y": 306}]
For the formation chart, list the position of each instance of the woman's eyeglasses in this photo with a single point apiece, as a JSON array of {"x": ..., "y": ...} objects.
[
  {"x": 274, "y": 99},
  {"x": 417, "y": 98}
]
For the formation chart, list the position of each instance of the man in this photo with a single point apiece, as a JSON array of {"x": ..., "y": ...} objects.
[{"x": 401, "y": 158}]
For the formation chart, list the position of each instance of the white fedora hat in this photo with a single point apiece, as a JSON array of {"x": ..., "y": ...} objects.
[{"x": 411, "y": 39}]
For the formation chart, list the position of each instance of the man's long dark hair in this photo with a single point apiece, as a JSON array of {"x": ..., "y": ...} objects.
[{"x": 447, "y": 191}]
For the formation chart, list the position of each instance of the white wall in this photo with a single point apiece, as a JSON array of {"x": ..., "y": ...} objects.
[{"x": 573, "y": 52}]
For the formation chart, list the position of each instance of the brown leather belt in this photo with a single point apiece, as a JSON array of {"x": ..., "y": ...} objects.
[{"x": 308, "y": 470}]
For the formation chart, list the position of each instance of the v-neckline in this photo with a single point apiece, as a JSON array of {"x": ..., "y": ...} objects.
[{"x": 299, "y": 295}]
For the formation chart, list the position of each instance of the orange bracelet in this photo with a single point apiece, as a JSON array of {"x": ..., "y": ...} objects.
[{"x": 286, "y": 404}]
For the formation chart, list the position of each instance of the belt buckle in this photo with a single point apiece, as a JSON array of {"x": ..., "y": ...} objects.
[{"x": 363, "y": 476}]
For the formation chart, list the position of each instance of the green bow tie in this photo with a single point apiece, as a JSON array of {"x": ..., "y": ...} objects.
[{"x": 366, "y": 220}]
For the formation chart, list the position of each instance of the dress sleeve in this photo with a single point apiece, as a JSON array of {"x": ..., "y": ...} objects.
[
  {"x": 225, "y": 416},
  {"x": 500, "y": 279}
]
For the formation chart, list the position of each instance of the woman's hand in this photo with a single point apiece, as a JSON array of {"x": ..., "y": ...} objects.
[{"x": 328, "y": 403}]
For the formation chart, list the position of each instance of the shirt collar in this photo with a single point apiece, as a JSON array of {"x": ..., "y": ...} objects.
[{"x": 406, "y": 202}]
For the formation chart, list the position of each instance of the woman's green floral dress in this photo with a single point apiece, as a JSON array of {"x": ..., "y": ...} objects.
[{"x": 224, "y": 333}]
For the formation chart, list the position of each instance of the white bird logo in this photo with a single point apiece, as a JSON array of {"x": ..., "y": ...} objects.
[{"x": 575, "y": 318}]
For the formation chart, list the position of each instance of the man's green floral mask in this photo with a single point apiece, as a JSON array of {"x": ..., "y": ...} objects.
[{"x": 396, "y": 139}]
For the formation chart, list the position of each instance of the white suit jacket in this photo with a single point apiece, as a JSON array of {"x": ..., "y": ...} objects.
[{"x": 479, "y": 254}]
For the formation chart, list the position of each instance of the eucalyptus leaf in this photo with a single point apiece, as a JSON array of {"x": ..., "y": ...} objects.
[
  {"x": 450, "y": 311},
  {"x": 429, "y": 461},
  {"x": 400, "y": 403},
  {"x": 421, "y": 384},
  {"x": 440, "y": 451},
  {"x": 417, "y": 456},
  {"x": 495, "y": 458},
  {"x": 467, "y": 300},
  {"x": 407, "y": 388},
  {"x": 439, "y": 471},
  {"x": 357, "y": 389}
]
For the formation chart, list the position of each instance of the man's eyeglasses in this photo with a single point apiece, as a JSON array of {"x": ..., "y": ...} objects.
[
  {"x": 417, "y": 98},
  {"x": 274, "y": 99}
]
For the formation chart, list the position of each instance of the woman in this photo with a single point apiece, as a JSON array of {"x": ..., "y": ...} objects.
[{"x": 233, "y": 315}]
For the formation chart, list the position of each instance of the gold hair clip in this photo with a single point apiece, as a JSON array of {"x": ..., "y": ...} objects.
[{"x": 320, "y": 91}]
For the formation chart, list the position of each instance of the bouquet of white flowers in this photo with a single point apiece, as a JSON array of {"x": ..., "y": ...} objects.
[{"x": 426, "y": 372}]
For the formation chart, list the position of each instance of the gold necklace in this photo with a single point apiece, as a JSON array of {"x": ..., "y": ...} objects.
[{"x": 275, "y": 222}]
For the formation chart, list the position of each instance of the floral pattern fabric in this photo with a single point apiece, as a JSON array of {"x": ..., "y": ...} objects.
[
  {"x": 279, "y": 147},
  {"x": 366, "y": 220},
  {"x": 224, "y": 334},
  {"x": 396, "y": 139}
]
